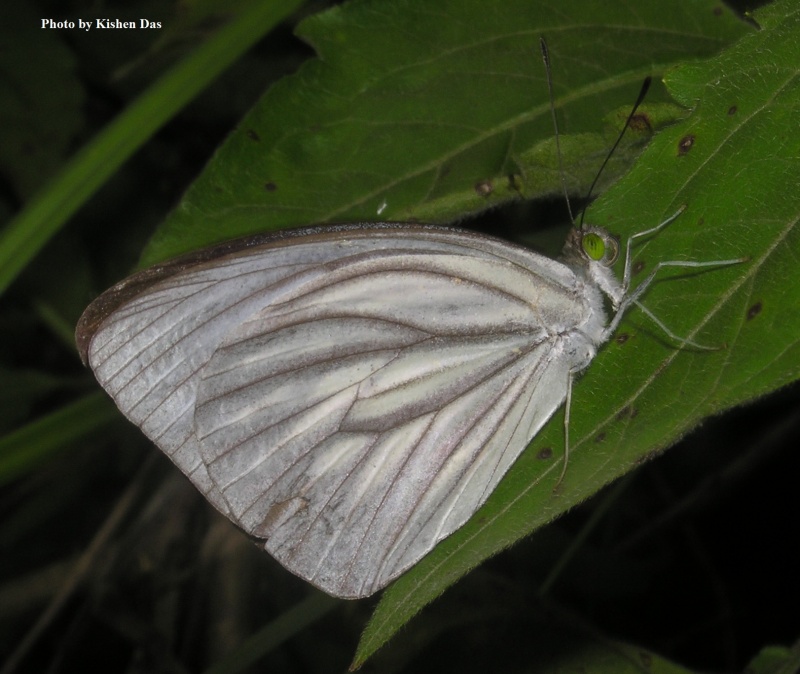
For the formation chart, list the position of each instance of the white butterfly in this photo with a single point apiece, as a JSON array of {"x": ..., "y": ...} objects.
[{"x": 352, "y": 395}]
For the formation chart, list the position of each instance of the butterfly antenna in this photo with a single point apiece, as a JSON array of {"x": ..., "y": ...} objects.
[
  {"x": 546, "y": 59},
  {"x": 642, "y": 93}
]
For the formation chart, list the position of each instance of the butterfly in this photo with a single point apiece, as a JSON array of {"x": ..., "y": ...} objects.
[{"x": 350, "y": 395}]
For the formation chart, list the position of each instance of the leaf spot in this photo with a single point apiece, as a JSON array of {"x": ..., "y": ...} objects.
[
  {"x": 484, "y": 188},
  {"x": 685, "y": 144},
  {"x": 754, "y": 311}
]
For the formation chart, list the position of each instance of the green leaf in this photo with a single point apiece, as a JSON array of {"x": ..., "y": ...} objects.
[
  {"x": 411, "y": 113},
  {"x": 738, "y": 178},
  {"x": 776, "y": 660}
]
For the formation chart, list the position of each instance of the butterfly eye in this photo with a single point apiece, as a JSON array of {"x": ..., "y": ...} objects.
[{"x": 600, "y": 247}]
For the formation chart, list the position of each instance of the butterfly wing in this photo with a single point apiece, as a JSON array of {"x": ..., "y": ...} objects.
[{"x": 351, "y": 397}]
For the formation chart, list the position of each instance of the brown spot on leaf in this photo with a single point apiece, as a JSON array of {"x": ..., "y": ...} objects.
[
  {"x": 545, "y": 453},
  {"x": 515, "y": 182},
  {"x": 270, "y": 187},
  {"x": 640, "y": 122},
  {"x": 252, "y": 135},
  {"x": 685, "y": 144},
  {"x": 484, "y": 188},
  {"x": 754, "y": 311}
]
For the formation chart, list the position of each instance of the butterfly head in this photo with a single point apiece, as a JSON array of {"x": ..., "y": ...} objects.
[{"x": 592, "y": 251}]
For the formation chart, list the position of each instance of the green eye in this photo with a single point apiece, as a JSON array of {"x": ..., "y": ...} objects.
[
  {"x": 594, "y": 246},
  {"x": 599, "y": 246}
]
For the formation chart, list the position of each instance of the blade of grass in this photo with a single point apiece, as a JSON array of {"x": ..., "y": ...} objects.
[
  {"x": 274, "y": 633},
  {"x": 100, "y": 158},
  {"x": 30, "y": 445}
]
